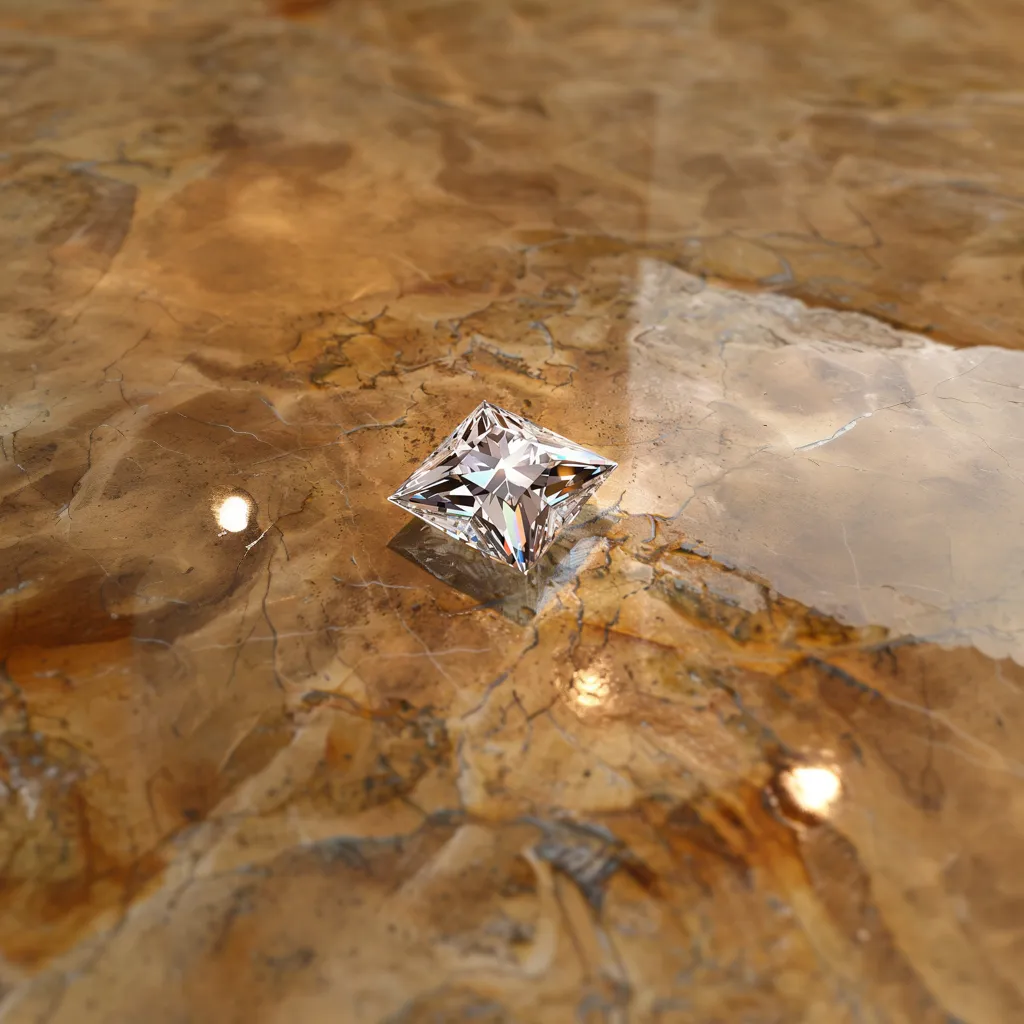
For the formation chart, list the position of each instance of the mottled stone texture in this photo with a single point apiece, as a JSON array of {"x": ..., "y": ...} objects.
[{"x": 767, "y": 256}]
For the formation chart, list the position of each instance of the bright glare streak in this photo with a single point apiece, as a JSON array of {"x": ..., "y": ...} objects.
[
  {"x": 814, "y": 789},
  {"x": 233, "y": 514}
]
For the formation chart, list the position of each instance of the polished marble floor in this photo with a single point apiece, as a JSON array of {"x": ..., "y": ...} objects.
[{"x": 745, "y": 748}]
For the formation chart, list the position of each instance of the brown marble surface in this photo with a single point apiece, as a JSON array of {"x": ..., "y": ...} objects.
[{"x": 746, "y": 750}]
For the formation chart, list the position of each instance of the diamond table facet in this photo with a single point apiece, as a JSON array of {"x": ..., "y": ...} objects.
[{"x": 503, "y": 485}]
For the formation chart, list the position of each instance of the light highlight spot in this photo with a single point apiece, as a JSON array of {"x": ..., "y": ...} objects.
[
  {"x": 589, "y": 689},
  {"x": 814, "y": 789},
  {"x": 233, "y": 514}
]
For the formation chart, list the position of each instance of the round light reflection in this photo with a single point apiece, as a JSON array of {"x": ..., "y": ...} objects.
[
  {"x": 813, "y": 789},
  {"x": 233, "y": 514}
]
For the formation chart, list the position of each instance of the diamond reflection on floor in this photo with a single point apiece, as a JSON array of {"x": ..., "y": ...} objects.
[{"x": 516, "y": 596}]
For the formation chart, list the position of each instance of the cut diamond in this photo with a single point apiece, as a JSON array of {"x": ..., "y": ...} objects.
[{"x": 503, "y": 485}]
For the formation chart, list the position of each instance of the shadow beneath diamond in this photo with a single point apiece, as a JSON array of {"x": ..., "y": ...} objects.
[{"x": 518, "y": 597}]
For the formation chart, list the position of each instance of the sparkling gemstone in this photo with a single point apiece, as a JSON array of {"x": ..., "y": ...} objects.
[{"x": 503, "y": 485}]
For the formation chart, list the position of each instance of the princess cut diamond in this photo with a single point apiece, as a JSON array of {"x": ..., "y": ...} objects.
[{"x": 503, "y": 485}]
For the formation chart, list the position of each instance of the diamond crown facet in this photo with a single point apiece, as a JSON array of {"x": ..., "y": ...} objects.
[{"x": 503, "y": 485}]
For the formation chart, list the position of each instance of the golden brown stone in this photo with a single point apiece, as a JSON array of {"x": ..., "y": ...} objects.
[{"x": 301, "y": 762}]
